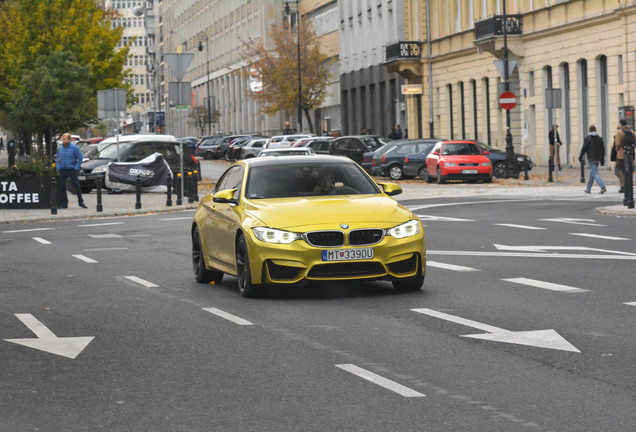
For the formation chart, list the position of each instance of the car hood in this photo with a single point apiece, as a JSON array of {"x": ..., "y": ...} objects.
[{"x": 318, "y": 213}]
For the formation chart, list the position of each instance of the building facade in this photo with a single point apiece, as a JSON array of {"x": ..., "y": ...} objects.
[
  {"x": 583, "y": 47},
  {"x": 371, "y": 95}
]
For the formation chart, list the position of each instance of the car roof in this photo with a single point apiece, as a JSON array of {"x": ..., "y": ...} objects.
[
  {"x": 292, "y": 159},
  {"x": 140, "y": 138}
]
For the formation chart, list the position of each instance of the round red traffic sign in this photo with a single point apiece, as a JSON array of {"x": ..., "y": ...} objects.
[{"x": 507, "y": 100}]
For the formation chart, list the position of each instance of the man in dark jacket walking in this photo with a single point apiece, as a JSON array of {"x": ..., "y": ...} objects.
[
  {"x": 594, "y": 147},
  {"x": 68, "y": 161}
]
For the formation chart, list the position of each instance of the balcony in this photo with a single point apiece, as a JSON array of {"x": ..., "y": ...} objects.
[
  {"x": 494, "y": 26},
  {"x": 489, "y": 34},
  {"x": 404, "y": 58},
  {"x": 403, "y": 50}
]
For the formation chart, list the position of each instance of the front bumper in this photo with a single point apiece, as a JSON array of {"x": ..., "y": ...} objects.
[{"x": 300, "y": 262}]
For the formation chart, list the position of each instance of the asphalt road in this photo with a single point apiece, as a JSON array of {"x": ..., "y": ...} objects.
[{"x": 169, "y": 354}]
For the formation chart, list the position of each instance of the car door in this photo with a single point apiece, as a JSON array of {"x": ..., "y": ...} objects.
[
  {"x": 432, "y": 158},
  {"x": 222, "y": 222},
  {"x": 356, "y": 149}
]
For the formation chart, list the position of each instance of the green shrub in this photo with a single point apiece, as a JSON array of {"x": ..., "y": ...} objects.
[{"x": 38, "y": 165}]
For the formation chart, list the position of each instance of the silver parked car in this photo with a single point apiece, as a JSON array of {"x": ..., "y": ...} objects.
[{"x": 252, "y": 148}]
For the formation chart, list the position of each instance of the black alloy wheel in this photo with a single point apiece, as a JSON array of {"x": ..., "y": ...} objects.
[{"x": 243, "y": 273}]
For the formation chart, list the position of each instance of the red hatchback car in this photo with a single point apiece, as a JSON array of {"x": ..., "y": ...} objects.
[{"x": 457, "y": 160}]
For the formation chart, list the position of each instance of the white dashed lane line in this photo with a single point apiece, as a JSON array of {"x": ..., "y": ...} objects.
[
  {"x": 105, "y": 236},
  {"x": 85, "y": 259},
  {"x": 41, "y": 240},
  {"x": 141, "y": 281},
  {"x": 28, "y": 230},
  {"x": 100, "y": 224},
  {"x": 528, "y": 227},
  {"x": 381, "y": 381},
  {"x": 602, "y": 237},
  {"x": 228, "y": 316}
]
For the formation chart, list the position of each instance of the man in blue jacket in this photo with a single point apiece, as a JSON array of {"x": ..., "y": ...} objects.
[{"x": 68, "y": 161}]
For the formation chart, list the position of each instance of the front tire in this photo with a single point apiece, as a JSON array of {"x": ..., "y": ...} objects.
[
  {"x": 499, "y": 170},
  {"x": 411, "y": 284},
  {"x": 424, "y": 175},
  {"x": 440, "y": 178},
  {"x": 201, "y": 274},
  {"x": 396, "y": 173},
  {"x": 243, "y": 273}
]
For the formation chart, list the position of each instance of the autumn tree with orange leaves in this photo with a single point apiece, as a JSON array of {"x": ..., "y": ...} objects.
[{"x": 277, "y": 70}]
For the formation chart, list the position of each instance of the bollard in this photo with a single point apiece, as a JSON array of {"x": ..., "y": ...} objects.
[
  {"x": 138, "y": 190},
  {"x": 628, "y": 171},
  {"x": 178, "y": 187},
  {"x": 550, "y": 169},
  {"x": 525, "y": 172},
  {"x": 582, "y": 172},
  {"x": 195, "y": 186},
  {"x": 190, "y": 190},
  {"x": 98, "y": 191},
  {"x": 169, "y": 192},
  {"x": 53, "y": 196}
]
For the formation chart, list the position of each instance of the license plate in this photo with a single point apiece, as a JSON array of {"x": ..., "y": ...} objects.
[
  {"x": 347, "y": 254},
  {"x": 81, "y": 178},
  {"x": 470, "y": 172}
]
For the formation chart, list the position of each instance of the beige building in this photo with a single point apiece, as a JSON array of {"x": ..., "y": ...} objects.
[{"x": 585, "y": 48}]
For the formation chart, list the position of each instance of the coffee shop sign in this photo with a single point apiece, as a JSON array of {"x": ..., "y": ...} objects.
[{"x": 23, "y": 194}]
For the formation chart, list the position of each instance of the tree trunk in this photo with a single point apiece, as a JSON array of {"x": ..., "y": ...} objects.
[{"x": 309, "y": 122}]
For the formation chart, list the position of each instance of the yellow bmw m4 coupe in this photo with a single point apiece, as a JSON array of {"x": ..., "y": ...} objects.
[{"x": 296, "y": 219}]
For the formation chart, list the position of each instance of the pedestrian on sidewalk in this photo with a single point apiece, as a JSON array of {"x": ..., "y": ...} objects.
[
  {"x": 555, "y": 146},
  {"x": 594, "y": 147},
  {"x": 622, "y": 135},
  {"x": 68, "y": 161}
]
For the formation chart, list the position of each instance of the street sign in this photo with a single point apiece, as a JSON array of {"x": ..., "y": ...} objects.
[
  {"x": 179, "y": 63},
  {"x": 409, "y": 89},
  {"x": 507, "y": 100}
]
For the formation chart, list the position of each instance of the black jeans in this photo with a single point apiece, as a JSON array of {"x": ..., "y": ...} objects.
[{"x": 63, "y": 198}]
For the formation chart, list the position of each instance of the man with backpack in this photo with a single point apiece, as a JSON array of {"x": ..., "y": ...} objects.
[
  {"x": 594, "y": 147},
  {"x": 624, "y": 138}
]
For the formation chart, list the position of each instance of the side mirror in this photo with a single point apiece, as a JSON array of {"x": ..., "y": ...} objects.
[
  {"x": 225, "y": 197},
  {"x": 486, "y": 152},
  {"x": 391, "y": 189}
]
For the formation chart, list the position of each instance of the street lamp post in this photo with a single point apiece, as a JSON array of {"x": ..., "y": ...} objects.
[
  {"x": 300, "y": 85},
  {"x": 511, "y": 167},
  {"x": 203, "y": 36}
]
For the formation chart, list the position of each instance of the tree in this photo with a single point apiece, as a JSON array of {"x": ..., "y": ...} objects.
[
  {"x": 55, "y": 55},
  {"x": 277, "y": 70},
  {"x": 198, "y": 117}
]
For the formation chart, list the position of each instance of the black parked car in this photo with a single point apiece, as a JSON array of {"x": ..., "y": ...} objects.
[
  {"x": 134, "y": 148},
  {"x": 498, "y": 159},
  {"x": 392, "y": 161},
  {"x": 355, "y": 146},
  {"x": 319, "y": 145}
]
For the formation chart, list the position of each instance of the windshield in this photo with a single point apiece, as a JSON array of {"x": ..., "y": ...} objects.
[
  {"x": 298, "y": 180},
  {"x": 372, "y": 143},
  {"x": 454, "y": 149},
  {"x": 110, "y": 152}
]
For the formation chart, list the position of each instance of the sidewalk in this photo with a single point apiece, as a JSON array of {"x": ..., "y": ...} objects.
[{"x": 568, "y": 185}]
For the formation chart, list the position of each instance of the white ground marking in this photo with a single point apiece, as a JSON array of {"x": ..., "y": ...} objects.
[
  {"x": 28, "y": 230},
  {"x": 141, "y": 281},
  {"x": 414, "y": 209},
  {"x": 528, "y": 227},
  {"x": 176, "y": 218},
  {"x": 85, "y": 259},
  {"x": 105, "y": 249},
  {"x": 630, "y": 303},
  {"x": 101, "y": 224},
  {"x": 227, "y": 316},
  {"x": 442, "y": 218},
  {"x": 381, "y": 381},
  {"x": 41, "y": 240},
  {"x": 599, "y": 236},
  {"x": 546, "y": 285},
  {"x": 531, "y": 255},
  {"x": 449, "y": 266},
  {"x": 102, "y": 236}
]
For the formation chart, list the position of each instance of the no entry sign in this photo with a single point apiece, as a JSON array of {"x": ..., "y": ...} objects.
[{"x": 507, "y": 100}]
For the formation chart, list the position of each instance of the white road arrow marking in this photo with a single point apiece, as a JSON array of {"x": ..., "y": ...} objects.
[
  {"x": 449, "y": 266},
  {"x": 589, "y": 222},
  {"x": 379, "y": 380},
  {"x": 69, "y": 347},
  {"x": 538, "y": 338},
  {"x": 552, "y": 248},
  {"x": 443, "y": 219},
  {"x": 546, "y": 285}
]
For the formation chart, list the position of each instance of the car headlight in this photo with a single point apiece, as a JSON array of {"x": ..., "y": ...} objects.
[
  {"x": 271, "y": 235},
  {"x": 521, "y": 158},
  {"x": 450, "y": 164},
  {"x": 100, "y": 169},
  {"x": 407, "y": 229},
  {"x": 485, "y": 164}
]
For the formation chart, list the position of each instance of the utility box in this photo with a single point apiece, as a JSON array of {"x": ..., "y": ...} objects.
[{"x": 627, "y": 113}]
